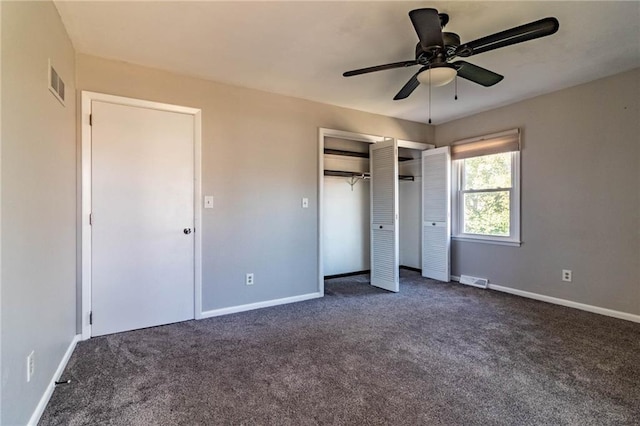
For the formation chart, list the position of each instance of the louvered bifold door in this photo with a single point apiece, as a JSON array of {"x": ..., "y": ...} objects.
[
  {"x": 385, "y": 253},
  {"x": 436, "y": 213}
]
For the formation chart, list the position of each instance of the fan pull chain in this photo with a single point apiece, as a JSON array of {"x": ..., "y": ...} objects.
[
  {"x": 456, "y": 85},
  {"x": 429, "y": 95}
]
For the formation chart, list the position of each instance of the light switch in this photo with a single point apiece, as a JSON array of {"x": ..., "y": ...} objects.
[
  {"x": 208, "y": 201},
  {"x": 305, "y": 203}
]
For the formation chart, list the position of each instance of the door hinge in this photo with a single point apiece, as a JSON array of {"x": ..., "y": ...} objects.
[
  {"x": 90, "y": 119},
  {"x": 90, "y": 219},
  {"x": 91, "y": 318}
]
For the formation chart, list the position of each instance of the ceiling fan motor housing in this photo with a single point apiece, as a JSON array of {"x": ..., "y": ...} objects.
[
  {"x": 451, "y": 43},
  {"x": 451, "y": 39}
]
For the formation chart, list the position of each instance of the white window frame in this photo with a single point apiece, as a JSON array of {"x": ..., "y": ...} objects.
[{"x": 514, "y": 207}]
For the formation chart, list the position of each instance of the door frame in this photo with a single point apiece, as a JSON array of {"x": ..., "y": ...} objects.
[{"x": 85, "y": 192}]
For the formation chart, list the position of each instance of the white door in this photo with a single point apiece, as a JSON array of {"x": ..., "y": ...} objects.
[
  {"x": 142, "y": 217},
  {"x": 385, "y": 251},
  {"x": 436, "y": 216}
]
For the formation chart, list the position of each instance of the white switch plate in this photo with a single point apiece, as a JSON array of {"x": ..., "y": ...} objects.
[
  {"x": 305, "y": 203},
  {"x": 208, "y": 201}
]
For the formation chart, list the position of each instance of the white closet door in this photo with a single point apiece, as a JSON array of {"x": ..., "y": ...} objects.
[
  {"x": 385, "y": 253},
  {"x": 436, "y": 213}
]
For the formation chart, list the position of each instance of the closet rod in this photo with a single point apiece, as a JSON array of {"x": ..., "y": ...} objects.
[{"x": 340, "y": 173}]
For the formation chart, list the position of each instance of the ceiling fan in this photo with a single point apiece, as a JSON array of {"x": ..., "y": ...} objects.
[{"x": 437, "y": 49}]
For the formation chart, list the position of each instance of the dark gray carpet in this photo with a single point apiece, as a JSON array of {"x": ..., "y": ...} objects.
[{"x": 434, "y": 354}]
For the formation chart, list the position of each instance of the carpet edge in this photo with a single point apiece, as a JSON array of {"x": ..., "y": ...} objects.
[
  {"x": 46, "y": 396},
  {"x": 627, "y": 316},
  {"x": 259, "y": 305}
]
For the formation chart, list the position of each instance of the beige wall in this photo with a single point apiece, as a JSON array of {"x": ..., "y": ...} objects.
[
  {"x": 580, "y": 196},
  {"x": 38, "y": 204},
  {"x": 1, "y": 383},
  {"x": 259, "y": 157}
]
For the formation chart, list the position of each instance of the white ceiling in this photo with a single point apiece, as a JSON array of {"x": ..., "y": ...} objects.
[{"x": 302, "y": 48}]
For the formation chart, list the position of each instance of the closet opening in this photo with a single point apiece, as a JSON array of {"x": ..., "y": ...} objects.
[{"x": 361, "y": 231}]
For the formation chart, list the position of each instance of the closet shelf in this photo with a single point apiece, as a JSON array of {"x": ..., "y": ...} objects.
[
  {"x": 356, "y": 154},
  {"x": 341, "y": 173}
]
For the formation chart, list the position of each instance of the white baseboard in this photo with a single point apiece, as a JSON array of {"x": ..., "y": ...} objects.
[
  {"x": 37, "y": 413},
  {"x": 571, "y": 304},
  {"x": 258, "y": 305},
  {"x": 563, "y": 302}
]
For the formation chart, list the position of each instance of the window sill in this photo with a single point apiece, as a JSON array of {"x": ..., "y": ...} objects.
[{"x": 488, "y": 241}]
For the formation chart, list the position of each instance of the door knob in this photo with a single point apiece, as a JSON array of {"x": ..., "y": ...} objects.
[{"x": 187, "y": 231}]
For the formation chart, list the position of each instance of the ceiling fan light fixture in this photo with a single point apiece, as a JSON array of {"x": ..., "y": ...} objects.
[{"x": 440, "y": 76}]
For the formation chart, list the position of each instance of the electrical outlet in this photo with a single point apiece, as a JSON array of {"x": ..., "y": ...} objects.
[
  {"x": 566, "y": 275},
  {"x": 305, "y": 203},
  {"x": 249, "y": 279},
  {"x": 31, "y": 365}
]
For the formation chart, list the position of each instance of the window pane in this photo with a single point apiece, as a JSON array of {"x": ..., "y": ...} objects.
[
  {"x": 488, "y": 171},
  {"x": 487, "y": 213}
]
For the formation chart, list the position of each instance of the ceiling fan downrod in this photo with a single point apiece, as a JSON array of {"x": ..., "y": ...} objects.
[{"x": 429, "y": 95}]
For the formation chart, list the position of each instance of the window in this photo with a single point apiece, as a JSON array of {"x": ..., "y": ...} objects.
[{"x": 486, "y": 185}]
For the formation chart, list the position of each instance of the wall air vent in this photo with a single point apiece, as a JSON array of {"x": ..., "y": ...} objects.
[
  {"x": 474, "y": 281},
  {"x": 56, "y": 85}
]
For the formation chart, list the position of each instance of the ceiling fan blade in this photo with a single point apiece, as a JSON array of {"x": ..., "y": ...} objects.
[
  {"x": 526, "y": 32},
  {"x": 428, "y": 27},
  {"x": 379, "y": 68},
  {"x": 409, "y": 87},
  {"x": 477, "y": 74}
]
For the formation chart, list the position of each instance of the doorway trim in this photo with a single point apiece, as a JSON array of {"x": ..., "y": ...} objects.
[{"x": 85, "y": 192}]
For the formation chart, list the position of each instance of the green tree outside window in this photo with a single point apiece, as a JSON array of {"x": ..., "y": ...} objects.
[{"x": 486, "y": 194}]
